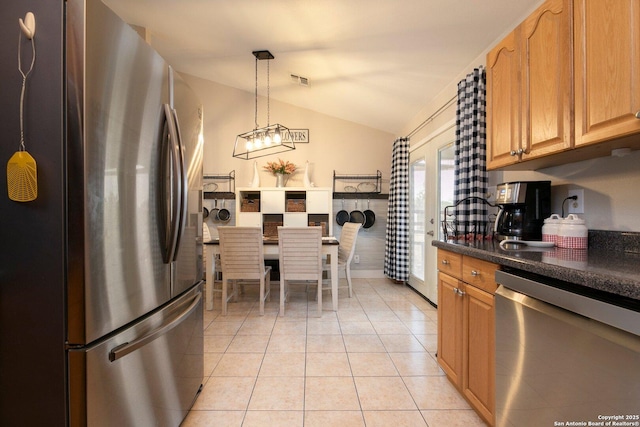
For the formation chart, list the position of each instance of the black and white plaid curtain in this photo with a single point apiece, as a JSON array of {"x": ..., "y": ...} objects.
[
  {"x": 471, "y": 155},
  {"x": 396, "y": 248}
]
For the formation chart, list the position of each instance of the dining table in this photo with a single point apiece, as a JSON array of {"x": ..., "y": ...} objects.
[{"x": 270, "y": 248}]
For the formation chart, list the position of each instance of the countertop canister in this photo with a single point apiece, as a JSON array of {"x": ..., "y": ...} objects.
[
  {"x": 573, "y": 233},
  {"x": 551, "y": 229}
]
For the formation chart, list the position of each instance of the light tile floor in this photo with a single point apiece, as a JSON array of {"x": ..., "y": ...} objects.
[{"x": 370, "y": 364}]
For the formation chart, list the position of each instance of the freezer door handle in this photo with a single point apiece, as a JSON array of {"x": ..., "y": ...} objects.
[
  {"x": 129, "y": 347},
  {"x": 172, "y": 192},
  {"x": 182, "y": 184}
]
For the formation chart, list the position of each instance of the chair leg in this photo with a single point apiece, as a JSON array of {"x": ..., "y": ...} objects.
[
  {"x": 224, "y": 296},
  {"x": 282, "y": 295},
  {"x": 262, "y": 284},
  {"x": 319, "y": 296},
  {"x": 235, "y": 290},
  {"x": 269, "y": 286},
  {"x": 347, "y": 271}
]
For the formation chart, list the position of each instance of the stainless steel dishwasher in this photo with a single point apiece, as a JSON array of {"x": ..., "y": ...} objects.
[{"x": 564, "y": 356}]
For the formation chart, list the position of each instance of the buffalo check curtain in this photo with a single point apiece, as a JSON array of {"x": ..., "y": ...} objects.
[
  {"x": 396, "y": 251},
  {"x": 470, "y": 148}
]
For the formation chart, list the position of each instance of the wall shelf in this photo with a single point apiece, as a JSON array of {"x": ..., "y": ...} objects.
[
  {"x": 357, "y": 185},
  {"x": 215, "y": 180}
]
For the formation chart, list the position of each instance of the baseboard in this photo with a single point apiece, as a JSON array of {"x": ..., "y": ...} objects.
[{"x": 366, "y": 274}]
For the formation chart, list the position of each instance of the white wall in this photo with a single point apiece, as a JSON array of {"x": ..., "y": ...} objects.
[
  {"x": 335, "y": 144},
  {"x": 611, "y": 187}
]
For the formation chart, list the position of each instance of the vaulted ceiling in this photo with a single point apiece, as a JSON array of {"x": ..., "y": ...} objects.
[{"x": 373, "y": 62}]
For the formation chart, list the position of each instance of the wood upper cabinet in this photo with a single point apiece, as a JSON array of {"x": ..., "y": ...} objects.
[
  {"x": 547, "y": 96},
  {"x": 503, "y": 102},
  {"x": 607, "y": 69},
  {"x": 529, "y": 88}
]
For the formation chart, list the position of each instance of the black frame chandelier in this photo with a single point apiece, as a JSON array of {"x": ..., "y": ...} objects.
[{"x": 263, "y": 141}]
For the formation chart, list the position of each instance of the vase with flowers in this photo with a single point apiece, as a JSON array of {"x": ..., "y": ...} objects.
[{"x": 280, "y": 169}]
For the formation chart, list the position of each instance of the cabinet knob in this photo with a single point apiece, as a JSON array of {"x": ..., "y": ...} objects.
[
  {"x": 445, "y": 262},
  {"x": 521, "y": 150},
  {"x": 475, "y": 273},
  {"x": 513, "y": 152},
  {"x": 637, "y": 114},
  {"x": 459, "y": 292}
]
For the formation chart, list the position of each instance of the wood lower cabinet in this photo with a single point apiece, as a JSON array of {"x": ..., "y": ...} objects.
[
  {"x": 466, "y": 335},
  {"x": 450, "y": 328},
  {"x": 478, "y": 351}
]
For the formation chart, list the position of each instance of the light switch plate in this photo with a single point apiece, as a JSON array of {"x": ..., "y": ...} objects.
[{"x": 576, "y": 206}]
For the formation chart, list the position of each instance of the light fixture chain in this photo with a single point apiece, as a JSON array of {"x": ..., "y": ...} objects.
[
  {"x": 268, "y": 93},
  {"x": 256, "y": 112}
]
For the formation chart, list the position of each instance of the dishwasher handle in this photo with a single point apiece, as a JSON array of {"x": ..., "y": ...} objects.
[{"x": 129, "y": 347}]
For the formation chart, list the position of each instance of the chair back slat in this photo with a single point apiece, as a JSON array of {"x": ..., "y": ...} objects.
[
  {"x": 300, "y": 252},
  {"x": 241, "y": 252},
  {"x": 348, "y": 238}
]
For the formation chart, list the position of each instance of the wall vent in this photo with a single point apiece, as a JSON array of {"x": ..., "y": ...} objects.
[{"x": 302, "y": 81}]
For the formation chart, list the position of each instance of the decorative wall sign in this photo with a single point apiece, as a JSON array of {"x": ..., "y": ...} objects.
[{"x": 298, "y": 136}]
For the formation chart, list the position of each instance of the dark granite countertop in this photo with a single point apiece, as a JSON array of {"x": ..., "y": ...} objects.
[{"x": 606, "y": 266}]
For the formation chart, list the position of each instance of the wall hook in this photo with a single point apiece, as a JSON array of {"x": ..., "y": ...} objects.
[{"x": 28, "y": 25}]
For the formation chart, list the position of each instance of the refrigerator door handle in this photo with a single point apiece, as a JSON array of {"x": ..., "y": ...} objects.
[
  {"x": 129, "y": 347},
  {"x": 172, "y": 206},
  {"x": 183, "y": 184}
]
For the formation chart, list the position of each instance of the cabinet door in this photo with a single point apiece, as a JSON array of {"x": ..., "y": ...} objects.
[
  {"x": 249, "y": 219},
  {"x": 478, "y": 351},
  {"x": 295, "y": 219},
  {"x": 450, "y": 328},
  {"x": 318, "y": 201},
  {"x": 272, "y": 201},
  {"x": 607, "y": 69},
  {"x": 503, "y": 102},
  {"x": 546, "y": 80}
]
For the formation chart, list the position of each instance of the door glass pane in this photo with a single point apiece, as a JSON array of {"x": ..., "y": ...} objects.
[
  {"x": 417, "y": 206},
  {"x": 446, "y": 168}
]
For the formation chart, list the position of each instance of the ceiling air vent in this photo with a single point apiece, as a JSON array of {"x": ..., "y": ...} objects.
[{"x": 302, "y": 81}]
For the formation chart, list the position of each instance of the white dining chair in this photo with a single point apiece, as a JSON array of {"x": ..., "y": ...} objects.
[
  {"x": 300, "y": 253},
  {"x": 346, "y": 249},
  {"x": 242, "y": 258}
]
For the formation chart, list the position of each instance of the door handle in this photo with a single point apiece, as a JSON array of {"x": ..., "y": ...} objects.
[
  {"x": 183, "y": 185},
  {"x": 129, "y": 347},
  {"x": 171, "y": 175}
]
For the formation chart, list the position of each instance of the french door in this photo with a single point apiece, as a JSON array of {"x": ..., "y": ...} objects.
[{"x": 431, "y": 170}]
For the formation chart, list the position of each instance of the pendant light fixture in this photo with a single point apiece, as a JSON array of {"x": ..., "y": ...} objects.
[{"x": 263, "y": 141}]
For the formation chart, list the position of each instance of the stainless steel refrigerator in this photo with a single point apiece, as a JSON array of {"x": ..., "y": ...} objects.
[{"x": 130, "y": 192}]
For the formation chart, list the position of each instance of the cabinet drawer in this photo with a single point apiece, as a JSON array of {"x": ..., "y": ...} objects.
[
  {"x": 479, "y": 273},
  {"x": 450, "y": 263}
]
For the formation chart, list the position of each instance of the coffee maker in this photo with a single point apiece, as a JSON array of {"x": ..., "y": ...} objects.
[{"x": 523, "y": 207}]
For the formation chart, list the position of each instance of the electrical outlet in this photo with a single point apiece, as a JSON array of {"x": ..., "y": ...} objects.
[
  {"x": 356, "y": 259},
  {"x": 576, "y": 206}
]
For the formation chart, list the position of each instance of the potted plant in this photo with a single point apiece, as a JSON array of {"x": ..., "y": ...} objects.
[{"x": 280, "y": 169}]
